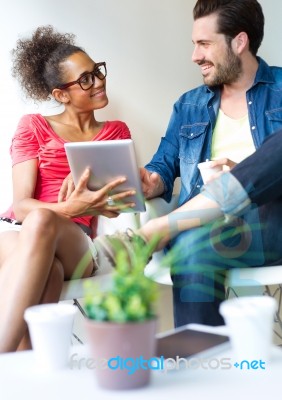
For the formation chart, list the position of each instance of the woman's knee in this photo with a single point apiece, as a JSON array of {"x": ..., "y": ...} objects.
[{"x": 41, "y": 222}]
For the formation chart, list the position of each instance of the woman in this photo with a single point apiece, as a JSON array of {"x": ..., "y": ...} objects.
[{"x": 54, "y": 238}]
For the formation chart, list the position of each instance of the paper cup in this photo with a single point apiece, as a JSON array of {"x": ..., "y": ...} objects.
[
  {"x": 250, "y": 321},
  {"x": 50, "y": 328},
  {"x": 207, "y": 171}
]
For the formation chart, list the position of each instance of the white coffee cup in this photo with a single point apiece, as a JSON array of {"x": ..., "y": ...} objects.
[
  {"x": 250, "y": 322},
  {"x": 50, "y": 328},
  {"x": 207, "y": 170}
]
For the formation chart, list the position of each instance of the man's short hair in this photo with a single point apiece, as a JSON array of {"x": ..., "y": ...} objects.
[{"x": 235, "y": 16}]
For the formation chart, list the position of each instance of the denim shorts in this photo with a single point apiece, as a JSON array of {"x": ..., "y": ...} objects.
[
  {"x": 8, "y": 224},
  {"x": 94, "y": 254}
]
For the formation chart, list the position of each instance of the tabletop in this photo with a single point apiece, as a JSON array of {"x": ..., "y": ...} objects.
[{"x": 214, "y": 376}]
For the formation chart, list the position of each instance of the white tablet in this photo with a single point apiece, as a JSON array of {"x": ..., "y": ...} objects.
[{"x": 107, "y": 160}]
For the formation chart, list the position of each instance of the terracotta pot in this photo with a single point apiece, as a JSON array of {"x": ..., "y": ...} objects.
[{"x": 120, "y": 352}]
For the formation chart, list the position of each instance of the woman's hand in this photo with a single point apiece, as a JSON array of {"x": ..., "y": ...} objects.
[
  {"x": 66, "y": 189},
  {"x": 82, "y": 201}
]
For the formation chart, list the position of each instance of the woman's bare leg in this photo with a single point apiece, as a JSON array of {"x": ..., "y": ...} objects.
[
  {"x": 27, "y": 263},
  {"x": 51, "y": 294}
]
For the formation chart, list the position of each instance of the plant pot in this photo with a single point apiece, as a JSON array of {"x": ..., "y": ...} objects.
[{"x": 120, "y": 352}]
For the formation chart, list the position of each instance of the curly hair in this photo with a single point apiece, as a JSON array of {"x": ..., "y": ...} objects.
[{"x": 37, "y": 62}]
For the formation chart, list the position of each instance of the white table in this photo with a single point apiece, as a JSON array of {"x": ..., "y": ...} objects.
[{"x": 19, "y": 379}]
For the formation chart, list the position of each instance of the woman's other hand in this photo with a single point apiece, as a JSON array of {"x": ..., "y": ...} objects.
[{"x": 66, "y": 189}]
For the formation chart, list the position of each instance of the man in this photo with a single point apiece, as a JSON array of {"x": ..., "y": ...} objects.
[
  {"x": 228, "y": 194},
  {"x": 226, "y": 119}
]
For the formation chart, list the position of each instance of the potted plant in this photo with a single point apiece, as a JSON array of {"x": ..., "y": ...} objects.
[{"x": 121, "y": 322}]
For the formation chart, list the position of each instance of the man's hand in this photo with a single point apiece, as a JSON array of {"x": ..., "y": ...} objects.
[
  {"x": 225, "y": 163},
  {"x": 152, "y": 184}
]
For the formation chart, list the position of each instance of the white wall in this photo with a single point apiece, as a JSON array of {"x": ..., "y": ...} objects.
[{"x": 147, "y": 46}]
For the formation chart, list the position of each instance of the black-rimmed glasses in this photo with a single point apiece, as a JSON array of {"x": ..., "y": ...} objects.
[{"x": 87, "y": 80}]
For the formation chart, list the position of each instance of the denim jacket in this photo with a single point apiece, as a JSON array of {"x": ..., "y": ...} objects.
[{"x": 189, "y": 134}]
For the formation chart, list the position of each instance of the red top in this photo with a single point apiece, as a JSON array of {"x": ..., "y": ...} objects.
[{"x": 35, "y": 139}]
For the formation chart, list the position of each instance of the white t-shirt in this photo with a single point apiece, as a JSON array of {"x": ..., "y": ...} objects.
[{"x": 232, "y": 138}]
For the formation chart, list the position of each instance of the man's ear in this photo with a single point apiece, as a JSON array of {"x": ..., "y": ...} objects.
[
  {"x": 240, "y": 43},
  {"x": 60, "y": 95}
]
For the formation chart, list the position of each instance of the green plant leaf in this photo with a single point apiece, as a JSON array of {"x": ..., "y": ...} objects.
[{"x": 132, "y": 296}]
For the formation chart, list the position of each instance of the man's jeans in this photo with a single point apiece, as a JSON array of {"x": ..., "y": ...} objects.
[{"x": 202, "y": 255}]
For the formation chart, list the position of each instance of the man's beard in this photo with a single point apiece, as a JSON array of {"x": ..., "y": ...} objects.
[{"x": 226, "y": 73}]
